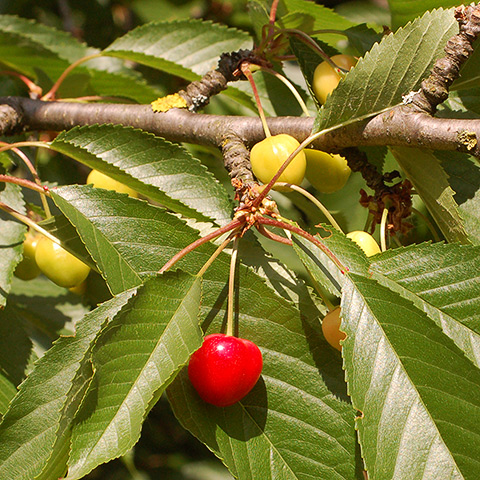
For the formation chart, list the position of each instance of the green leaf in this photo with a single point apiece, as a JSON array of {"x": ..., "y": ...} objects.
[
  {"x": 464, "y": 178},
  {"x": 12, "y": 235},
  {"x": 443, "y": 281},
  {"x": 391, "y": 69},
  {"x": 33, "y": 48},
  {"x": 404, "y": 11},
  {"x": 419, "y": 396},
  {"x": 135, "y": 359},
  {"x": 431, "y": 183},
  {"x": 297, "y": 421},
  {"x": 151, "y": 166},
  {"x": 29, "y": 428},
  {"x": 15, "y": 354},
  {"x": 185, "y": 48}
]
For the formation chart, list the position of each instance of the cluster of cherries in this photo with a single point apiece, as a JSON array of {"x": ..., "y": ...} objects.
[{"x": 225, "y": 368}]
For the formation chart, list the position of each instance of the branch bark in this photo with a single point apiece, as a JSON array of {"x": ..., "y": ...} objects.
[{"x": 401, "y": 126}]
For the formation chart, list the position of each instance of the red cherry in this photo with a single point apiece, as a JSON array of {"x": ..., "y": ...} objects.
[{"x": 224, "y": 369}]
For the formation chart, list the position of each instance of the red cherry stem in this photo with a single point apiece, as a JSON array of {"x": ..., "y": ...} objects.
[
  {"x": 292, "y": 228},
  {"x": 272, "y": 236},
  {"x": 34, "y": 173},
  {"x": 33, "y": 88},
  {"x": 245, "y": 68},
  {"x": 231, "y": 287},
  {"x": 211, "y": 236},
  {"x": 25, "y": 183}
]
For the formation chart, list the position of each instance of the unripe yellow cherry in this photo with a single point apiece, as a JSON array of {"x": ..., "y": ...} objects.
[
  {"x": 60, "y": 266},
  {"x": 365, "y": 241},
  {"x": 331, "y": 328},
  {"x": 100, "y": 180},
  {"x": 269, "y": 155},
  {"x": 28, "y": 269},
  {"x": 327, "y": 173},
  {"x": 326, "y": 78}
]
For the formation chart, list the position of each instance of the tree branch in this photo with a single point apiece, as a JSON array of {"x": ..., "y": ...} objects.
[{"x": 401, "y": 126}]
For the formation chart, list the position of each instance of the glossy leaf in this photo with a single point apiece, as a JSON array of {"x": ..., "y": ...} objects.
[
  {"x": 154, "y": 336},
  {"x": 12, "y": 234},
  {"x": 391, "y": 69},
  {"x": 408, "y": 380},
  {"x": 28, "y": 431},
  {"x": 161, "y": 170},
  {"x": 431, "y": 183},
  {"x": 444, "y": 282}
]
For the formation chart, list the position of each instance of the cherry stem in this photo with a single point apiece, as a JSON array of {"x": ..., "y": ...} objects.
[
  {"x": 28, "y": 221},
  {"x": 32, "y": 86},
  {"x": 25, "y": 183},
  {"x": 430, "y": 226},
  {"x": 291, "y": 87},
  {"x": 383, "y": 230},
  {"x": 51, "y": 93},
  {"x": 321, "y": 292},
  {"x": 231, "y": 287},
  {"x": 10, "y": 146},
  {"x": 220, "y": 231},
  {"x": 273, "y": 236},
  {"x": 34, "y": 173},
  {"x": 292, "y": 228},
  {"x": 245, "y": 68},
  {"x": 215, "y": 254},
  {"x": 272, "y": 18},
  {"x": 315, "y": 201}
]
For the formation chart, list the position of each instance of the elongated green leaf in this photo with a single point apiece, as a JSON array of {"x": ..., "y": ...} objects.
[
  {"x": 431, "y": 183},
  {"x": 32, "y": 48},
  {"x": 28, "y": 431},
  {"x": 165, "y": 313},
  {"x": 419, "y": 396},
  {"x": 15, "y": 354},
  {"x": 444, "y": 282},
  {"x": 12, "y": 234},
  {"x": 464, "y": 178},
  {"x": 391, "y": 69},
  {"x": 185, "y": 48},
  {"x": 150, "y": 165},
  {"x": 404, "y": 11}
]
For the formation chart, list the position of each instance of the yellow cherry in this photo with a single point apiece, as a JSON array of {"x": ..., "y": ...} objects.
[
  {"x": 60, "y": 266},
  {"x": 331, "y": 328},
  {"x": 28, "y": 269},
  {"x": 327, "y": 173},
  {"x": 326, "y": 78},
  {"x": 100, "y": 180},
  {"x": 365, "y": 241},
  {"x": 269, "y": 155}
]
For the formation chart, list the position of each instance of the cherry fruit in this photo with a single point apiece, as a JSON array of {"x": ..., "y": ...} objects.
[
  {"x": 326, "y": 78},
  {"x": 28, "y": 269},
  {"x": 327, "y": 173},
  {"x": 225, "y": 368},
  {"x": 100, "y": 180},
  {"x": 365, "y": 241},
  {"x": 331, "y": 328},
  {"x": 60, "y": 266},
  {"x": 269, "y": 155}
]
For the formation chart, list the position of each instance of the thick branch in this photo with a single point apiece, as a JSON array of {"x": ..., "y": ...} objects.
[{"x": 402, "y": 126}]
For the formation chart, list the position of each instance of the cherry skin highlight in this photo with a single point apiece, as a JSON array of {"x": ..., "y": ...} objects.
[{"x": 224, "y": 369}]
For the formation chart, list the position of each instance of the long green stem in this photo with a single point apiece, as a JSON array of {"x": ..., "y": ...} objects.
[
  {"x": 10, "y": 146},
  {"x": 315, "y": 201},
  {"x": 383, "y": 230},
  {"x": 211, "y": 236},
  {"x": 291, "y": 87},
  {"x": 29, "y": 222},
  {"x": 214, "y": 255},
  {"x": 51, "y": 93},
  {"x": 430, "y": 226},
  {"x": 231, "y": 287}
]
